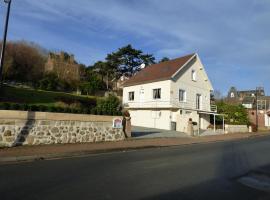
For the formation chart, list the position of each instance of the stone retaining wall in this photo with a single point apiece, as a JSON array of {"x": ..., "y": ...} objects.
[{"x": 35, "y": 128}]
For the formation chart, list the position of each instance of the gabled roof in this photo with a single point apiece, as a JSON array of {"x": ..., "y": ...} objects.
[{"x": 158, "y": 72}]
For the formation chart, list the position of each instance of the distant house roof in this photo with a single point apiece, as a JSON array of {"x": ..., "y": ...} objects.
[{"x": 158, "y": 72}]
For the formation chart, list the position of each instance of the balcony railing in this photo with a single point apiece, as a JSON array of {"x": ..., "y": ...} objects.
[{"x": 171, "y": 104}]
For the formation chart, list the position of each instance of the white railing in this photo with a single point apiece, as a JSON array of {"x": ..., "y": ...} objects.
[
  {"x": 213, "y": 108},
  {"x": 189, "y": 105}
]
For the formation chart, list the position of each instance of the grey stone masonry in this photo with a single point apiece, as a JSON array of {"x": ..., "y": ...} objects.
[{"x": 14, "y": 132}]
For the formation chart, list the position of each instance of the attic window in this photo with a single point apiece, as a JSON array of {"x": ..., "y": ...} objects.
[{"x": 193, "y": 75}]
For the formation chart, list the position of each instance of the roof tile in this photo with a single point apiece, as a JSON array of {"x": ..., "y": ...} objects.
[{"x": 158, "y": 72}]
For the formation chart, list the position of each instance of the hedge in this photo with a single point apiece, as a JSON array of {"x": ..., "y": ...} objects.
[{"x": 43, "y": 108}]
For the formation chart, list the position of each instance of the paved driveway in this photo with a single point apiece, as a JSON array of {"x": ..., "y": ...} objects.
[{"x": 143, "y": 132}]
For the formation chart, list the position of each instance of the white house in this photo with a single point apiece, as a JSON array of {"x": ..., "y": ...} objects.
[{"x": 166, "y": 95}]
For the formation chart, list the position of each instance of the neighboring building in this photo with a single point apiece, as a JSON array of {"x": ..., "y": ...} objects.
[
  {"x": 263, "y": 118},
  {"x": 235, "y": 94},
  {"x": 64, "y": 66},
  {"x": 166, "y": 95},
  {"x": 248, "y": 99}
]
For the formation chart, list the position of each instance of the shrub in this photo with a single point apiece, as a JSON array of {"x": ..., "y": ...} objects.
[
  {"x": 108, "y": 105},
  {"x": 34, "y": 108},
  {"x": 25, "y": 107},
  {"x": 93, "y": 111},
  {"x": 67, "y": 110},
  {"x": 15, "y": 106},
  {"x": 52, "y": 109},
  {"x": 233, "y": 114},
  {"x": 6, "y": 106},
  {"x": 42, "y": 108}
]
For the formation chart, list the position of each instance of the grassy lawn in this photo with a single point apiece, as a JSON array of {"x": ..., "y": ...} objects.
[{"x": 36, "y": 97}]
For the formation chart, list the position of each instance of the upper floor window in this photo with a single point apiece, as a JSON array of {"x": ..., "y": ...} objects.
[
  {"x": 157, "y": 93},
  {"x": 193, "y": 75},
  {"x": 232, "y": 95},
  {"x": 182, "y": 95},
  {"x": 131, "y": 96}
]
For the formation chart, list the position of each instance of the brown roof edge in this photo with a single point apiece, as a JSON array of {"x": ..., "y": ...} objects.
[
  {"x": 159, "y": 71},
  {"x": 145, "y": 82}
]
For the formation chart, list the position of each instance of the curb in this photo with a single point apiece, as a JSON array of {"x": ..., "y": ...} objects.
[{"x": 18, "y": 159}]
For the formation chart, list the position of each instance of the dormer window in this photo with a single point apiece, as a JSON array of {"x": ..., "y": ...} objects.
[{"x": 193, "y": 75}]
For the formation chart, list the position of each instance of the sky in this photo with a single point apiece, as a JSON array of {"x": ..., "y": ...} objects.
[{"x": 231, "y": 37}]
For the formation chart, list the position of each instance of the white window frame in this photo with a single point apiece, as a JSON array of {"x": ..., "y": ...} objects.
[
  {"x": 129, "y": 95},
  {"x": 158, "y": 94},
  {"x": 184, "y": 95},
  {"x": 193, "y": 75}
]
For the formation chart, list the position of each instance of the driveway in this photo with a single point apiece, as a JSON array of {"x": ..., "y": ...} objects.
[{"x": 143, "y": 132}]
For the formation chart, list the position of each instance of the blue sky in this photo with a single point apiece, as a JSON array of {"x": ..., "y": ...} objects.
[{"x": 231, "y": 37}]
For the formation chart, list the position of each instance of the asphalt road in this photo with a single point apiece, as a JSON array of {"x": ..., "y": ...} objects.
[{"x": 202, "y": 171}]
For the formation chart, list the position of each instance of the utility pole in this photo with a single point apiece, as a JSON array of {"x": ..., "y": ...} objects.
[
  {"x": 4, "y": 41},
  {"x": 256, "y": 109}
]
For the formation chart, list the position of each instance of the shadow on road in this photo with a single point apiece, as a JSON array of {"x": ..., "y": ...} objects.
[{"x": 233, "y": 161}]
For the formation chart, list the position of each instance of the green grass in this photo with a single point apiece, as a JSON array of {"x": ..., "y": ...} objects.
[{"x": 36, "y": 97}]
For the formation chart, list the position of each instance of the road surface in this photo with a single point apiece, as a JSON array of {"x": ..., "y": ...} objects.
[{"x": 202, "y": 171}]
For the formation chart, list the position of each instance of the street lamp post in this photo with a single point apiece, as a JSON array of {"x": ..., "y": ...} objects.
[{"x": 4, "y": 40}]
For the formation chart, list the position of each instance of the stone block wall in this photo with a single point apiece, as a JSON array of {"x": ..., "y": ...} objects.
[
  {"x": 35, "y": 128},
  {"x": 236, "y": 128}
]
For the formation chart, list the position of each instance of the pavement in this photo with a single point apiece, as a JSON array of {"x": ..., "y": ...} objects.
[
  {"x": 41, "y": 152},
  {"x": 230, "y": 169}
]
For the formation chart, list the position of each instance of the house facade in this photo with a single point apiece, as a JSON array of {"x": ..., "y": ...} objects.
[{"x": 166, "y": 95}]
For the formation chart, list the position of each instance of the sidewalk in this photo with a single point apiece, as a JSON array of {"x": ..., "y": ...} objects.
[{"x": 30, "y": 153}]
